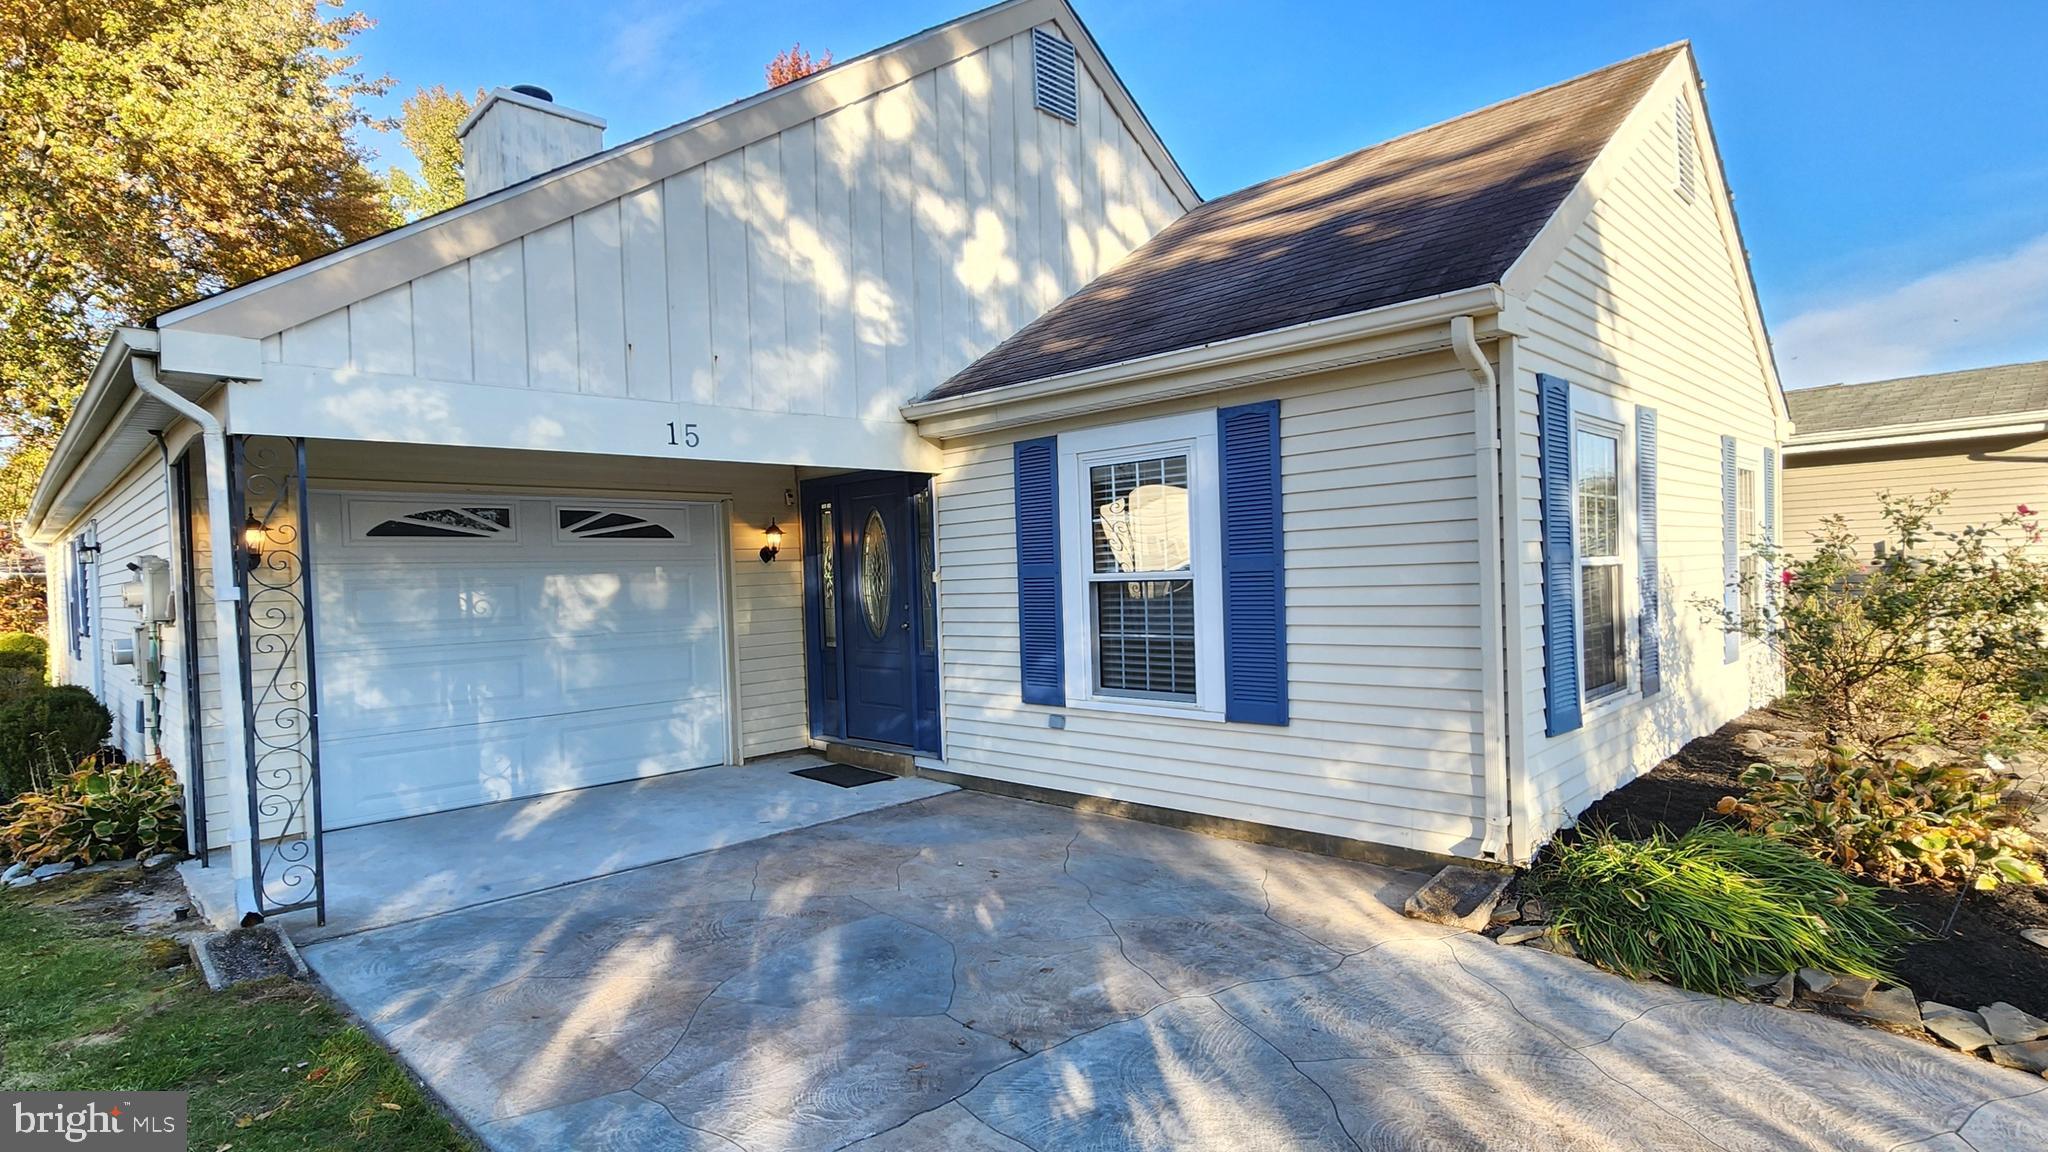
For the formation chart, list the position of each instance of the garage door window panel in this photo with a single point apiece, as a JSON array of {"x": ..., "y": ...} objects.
[
  {"x": 384, "y": 520},
  {"x": 607, "y": 524}
]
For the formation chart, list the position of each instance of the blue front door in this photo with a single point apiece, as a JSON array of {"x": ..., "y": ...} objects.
[
  {"x": 870, "y": 610},
  {"x": 875, "y": 613}
]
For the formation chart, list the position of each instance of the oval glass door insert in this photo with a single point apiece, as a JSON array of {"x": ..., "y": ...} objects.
[{"x": 874, "y": 574}]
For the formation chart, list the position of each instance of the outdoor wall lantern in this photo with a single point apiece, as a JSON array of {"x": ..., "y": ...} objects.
[
  {"x": 774, "y": 544},
  {"x": 252, "y": 542},
  {"x": 89, "y": 551}
]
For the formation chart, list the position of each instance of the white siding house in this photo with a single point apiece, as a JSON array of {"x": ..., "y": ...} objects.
[
  {"x": 921, "y": 407},
  {"x": 1466, "y": 667},
  {"x": 527, "y": 421}
]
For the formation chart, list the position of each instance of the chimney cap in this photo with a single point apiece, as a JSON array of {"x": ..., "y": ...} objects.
[{"x": 530, "y": 96}]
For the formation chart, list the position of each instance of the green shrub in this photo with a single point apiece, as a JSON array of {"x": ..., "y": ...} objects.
[
  {"x": 1924, "y": 634},
  {"x": 1894, "y": 822},
  {"x": 25, "y": 642},
  {"x": 101, "y": 811},
  {"x": 53, "y": 726},
  {"x": 24, "y": 668},
  {"x": 1705, "y": 909},
  {"x": 19, "y": 684}
]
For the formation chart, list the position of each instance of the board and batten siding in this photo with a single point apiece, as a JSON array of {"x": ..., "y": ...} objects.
[
  {"x": 1985, "y": 480},
  {"x": 1383, "y": 631},
  {"x": 838, "y": 268},
  {"x": 1645, "y": 305},
  {"x": 767, "y": 599}
]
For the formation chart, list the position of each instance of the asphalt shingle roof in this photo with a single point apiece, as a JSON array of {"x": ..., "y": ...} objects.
[
  {"x": 1438, "y": 210},
  {"x": 2007, "y": 388}
]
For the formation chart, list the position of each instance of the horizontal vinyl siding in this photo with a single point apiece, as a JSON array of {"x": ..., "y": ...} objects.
[
  {"x": 837, "y": 268},
  {"x": 206, "y": 633},
  {"x": 767, "y": 599},
  {"x": 133, "y": 523},
  {"x": 1382, "y": 632},
  {"x": 1984, "y": 482},
  {"x": 1645, "y": 306}
]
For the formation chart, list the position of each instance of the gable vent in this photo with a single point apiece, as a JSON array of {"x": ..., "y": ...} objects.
[
  {"x": 1687, "y": 174},
  {"x": 1053, "y": 84}
]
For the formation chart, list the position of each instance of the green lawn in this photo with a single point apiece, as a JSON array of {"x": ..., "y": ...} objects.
[{"x": 269, "y": 1065}]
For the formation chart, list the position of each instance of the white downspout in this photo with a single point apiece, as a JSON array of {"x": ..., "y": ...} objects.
[
  {"x": 1493, "y": 645},
  {"x": 227, "y": 593}
]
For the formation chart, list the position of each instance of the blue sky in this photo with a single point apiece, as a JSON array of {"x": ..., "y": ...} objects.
[{"x": 1890, "y": 160}]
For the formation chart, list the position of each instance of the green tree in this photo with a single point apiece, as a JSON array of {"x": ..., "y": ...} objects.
[
  {"x": 428, "y": 123},
  {"x": 157, "y": 150}
]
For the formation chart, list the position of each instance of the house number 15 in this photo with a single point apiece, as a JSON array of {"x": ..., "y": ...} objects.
[{"x": 689, "y": 440}]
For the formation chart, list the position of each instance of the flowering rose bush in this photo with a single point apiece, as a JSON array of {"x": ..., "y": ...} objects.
[{"x": 1938, "y": 636}]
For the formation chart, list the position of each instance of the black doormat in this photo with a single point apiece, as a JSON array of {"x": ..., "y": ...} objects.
[{"x": 842, "y": 775}]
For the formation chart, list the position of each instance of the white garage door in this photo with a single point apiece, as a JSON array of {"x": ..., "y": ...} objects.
[{"x": 480, "y": 648}]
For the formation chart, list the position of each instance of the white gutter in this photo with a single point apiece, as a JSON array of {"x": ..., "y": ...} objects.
[
  {"x": 227, "y": 594},
  {"x": 1931, "y": 432},
  {"x": 82, "y": 429},
  {"x": 1493, "y": 586},
  {"x": 1222, "y": 363}
]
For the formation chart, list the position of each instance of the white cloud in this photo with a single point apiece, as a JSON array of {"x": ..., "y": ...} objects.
[
  {"x": 640, "y": 42},
  {"x": 1988, "y": 310}
]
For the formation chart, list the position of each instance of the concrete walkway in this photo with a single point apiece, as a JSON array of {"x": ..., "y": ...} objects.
[
  {"x": 400, "y": 870},
  {"x": 973, "y": 974}
]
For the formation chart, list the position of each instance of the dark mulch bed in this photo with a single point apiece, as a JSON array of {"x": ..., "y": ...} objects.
[{"x": 1979, "y": 960}]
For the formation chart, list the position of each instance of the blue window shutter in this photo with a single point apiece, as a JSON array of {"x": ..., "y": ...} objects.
[
  {"x": 1651, "y": 626},
  {"x": 1038, "y": 571},
  {"x": 71, "y": 568},
  {"x": 1254, "y": 567},
  {"x": 1560, "y": 608},
  {"x": 1731, "y": 566}
]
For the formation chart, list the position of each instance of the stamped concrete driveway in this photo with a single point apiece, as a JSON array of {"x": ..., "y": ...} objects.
[{"x": 971, "y": 973}]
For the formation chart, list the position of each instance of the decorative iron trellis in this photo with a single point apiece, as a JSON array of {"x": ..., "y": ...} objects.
[{"x": 280, "y": 694}]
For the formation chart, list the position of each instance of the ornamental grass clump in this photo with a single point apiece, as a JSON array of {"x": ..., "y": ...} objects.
[{"x": 1707, "y": 908}]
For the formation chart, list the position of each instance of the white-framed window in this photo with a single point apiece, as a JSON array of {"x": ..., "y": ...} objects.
[
  {"x": 1141, "y": 567},
  {"x": 1603, "y": 519},
  {"x": 1748, "y": 534}
]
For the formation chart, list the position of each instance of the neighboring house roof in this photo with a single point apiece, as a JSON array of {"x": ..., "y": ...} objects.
[
  {"x": 1976, "y": 395},
  {"x": 1446, "y": 208}
]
